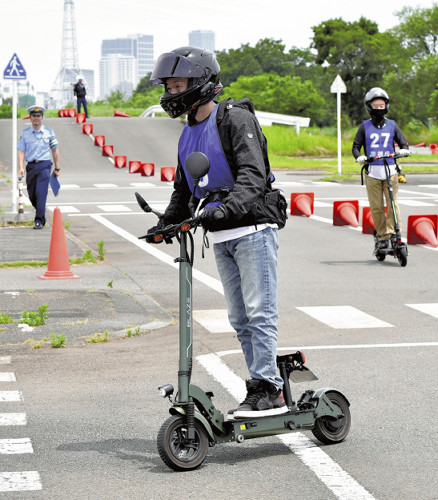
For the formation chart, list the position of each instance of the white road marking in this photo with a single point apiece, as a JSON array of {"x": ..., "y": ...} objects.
[
  {"x": 13, "y": 419},
  {"x": 114, "y": 208},
  {"x": 71, "y": 186},
  {"x": 327, "y": 470},
  {"x": 5, "y": 360},
  {"x": 7, "y": 377},
  {"x": 430, "y": 309},
  {"x": 20, "y": 481},
  {"x": 64, "y": 208},
  {"x": 214, "y": 320},
  {"x": 105, "y": 185},
  {"x": 415, "y": 203},
  {"x": 8, "y": 396},
  {"x": 341, "y": 317},
  {"x": 15, "y": 446}
]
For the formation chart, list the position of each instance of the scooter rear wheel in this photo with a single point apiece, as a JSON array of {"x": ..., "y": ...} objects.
[
  {"x": 175, "y": 450},
  {"x": 380, "y": 256},
  {"x": 331, "y": 430}
]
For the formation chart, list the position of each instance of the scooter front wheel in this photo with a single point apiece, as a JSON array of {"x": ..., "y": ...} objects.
[
  {"x": 176, "y": 450},
  {"x": 402, "y": 256},
  {"x": 331, "y": 430}
]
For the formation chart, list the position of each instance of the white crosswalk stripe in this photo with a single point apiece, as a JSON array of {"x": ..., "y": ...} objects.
[
  {"x": 430, "y": 309},
  {"x": 338, "y": 317},
  {"x": 20, "y": 481},
  {"x": 13, "y": 419},
  {"x": 341, "y": 317},
  {"x": 7, "y": 377},
  {"x": 15, "y": 446},
  {"x": 10, "y": 396}
]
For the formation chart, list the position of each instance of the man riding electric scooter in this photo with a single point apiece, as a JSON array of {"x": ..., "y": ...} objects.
[
  {"x": 377, "y": 137},
  {"x": 241, "y": 210}
]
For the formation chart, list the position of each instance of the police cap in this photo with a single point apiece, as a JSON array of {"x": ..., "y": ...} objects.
[{"x": 36, "y": 110}]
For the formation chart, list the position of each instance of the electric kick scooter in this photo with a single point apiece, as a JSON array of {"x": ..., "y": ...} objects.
[
  {"x": 396, "y": 247},
  {"x": 195, "y": 423}
]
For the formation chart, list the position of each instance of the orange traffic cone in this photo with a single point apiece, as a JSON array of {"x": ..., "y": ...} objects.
[
  {"x": 87, "y": 128},
  {"x": 81, "y": 118},
  {"x": 108, "y": 150},
  {"x": 59, "y": 266},
  {"x": 420, "y": 145},
  {"x": 302, "y": 204},
  {"x": 346, "y": 213},
  {"x": 134, "y": 167},
  {"x": 147, "y": 169},
  {"x": 120, "y": 113},
  {"x": 422, "y": 229},
  {"x": 99, "y": 140},
  {"x": 168, "y": 174},
  {"x": 120, "y": 161}
]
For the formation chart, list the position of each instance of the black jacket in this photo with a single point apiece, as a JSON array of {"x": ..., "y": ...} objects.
[
  {"x": 79, "y": 90},
  {"x": 245, "y": 148}
]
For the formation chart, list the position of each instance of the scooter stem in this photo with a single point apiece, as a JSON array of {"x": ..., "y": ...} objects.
[{"x": 185, "y": 322}]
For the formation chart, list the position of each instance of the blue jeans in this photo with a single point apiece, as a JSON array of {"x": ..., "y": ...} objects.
[{"x": 248, "y": 271}]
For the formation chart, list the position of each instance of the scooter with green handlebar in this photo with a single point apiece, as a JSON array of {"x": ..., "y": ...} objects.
[{"x": 195, "y": 423}]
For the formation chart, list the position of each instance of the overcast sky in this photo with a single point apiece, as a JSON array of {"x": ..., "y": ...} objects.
[{"x": 33, "y": 28}]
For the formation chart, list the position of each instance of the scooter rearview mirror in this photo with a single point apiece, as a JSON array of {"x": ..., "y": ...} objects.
[
  {"x": 143, "y": 203},
  {"x": 145, "y": 206},
  {"x": 197, "y": 165}
]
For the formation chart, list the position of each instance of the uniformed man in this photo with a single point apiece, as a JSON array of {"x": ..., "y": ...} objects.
[
  {"x": 80, "y": 93},
  {"x": 34, "y": 146}
]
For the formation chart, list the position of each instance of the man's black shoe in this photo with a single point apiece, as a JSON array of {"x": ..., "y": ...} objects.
[{"x": 38, "y": 225}]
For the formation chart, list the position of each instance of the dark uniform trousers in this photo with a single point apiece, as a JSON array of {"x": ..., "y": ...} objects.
[{"x": 37, "y": 180}]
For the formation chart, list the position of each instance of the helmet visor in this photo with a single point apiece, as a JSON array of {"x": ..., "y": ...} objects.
[{"x": 170, "y": 65}]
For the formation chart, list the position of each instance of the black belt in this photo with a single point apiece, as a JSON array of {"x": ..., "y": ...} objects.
[{"x": 36, "y": 161}]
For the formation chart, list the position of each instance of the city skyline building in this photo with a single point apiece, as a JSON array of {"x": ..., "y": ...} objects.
[
  {"x": 204, "y": 39},
  {"x": 124, "y": 62}
]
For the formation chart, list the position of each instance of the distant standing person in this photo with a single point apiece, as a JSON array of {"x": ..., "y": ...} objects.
[
  {"x": 34, "y": 146},
  {"x": 80, "y": 93}
]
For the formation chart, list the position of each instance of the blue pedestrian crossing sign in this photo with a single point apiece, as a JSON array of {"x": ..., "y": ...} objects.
[{"x": 14, "y": 70}]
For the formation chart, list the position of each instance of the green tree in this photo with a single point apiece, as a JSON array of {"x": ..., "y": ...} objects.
[
  {"x": 144, "y": 85},
  {"x": 285, "y": 95},
  {"x": 267, "y": 56},
  {"x": 353, "y": 50}
]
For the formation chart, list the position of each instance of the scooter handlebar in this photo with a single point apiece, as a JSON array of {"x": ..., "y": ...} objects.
[
  {"x": 171, "y": 231},
  {"x": 396, "y": 156}
]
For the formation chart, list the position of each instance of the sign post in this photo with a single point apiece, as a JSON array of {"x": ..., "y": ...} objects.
[
  {"x": 338, "y": 87},
  {"x": 14, "y": 71}
]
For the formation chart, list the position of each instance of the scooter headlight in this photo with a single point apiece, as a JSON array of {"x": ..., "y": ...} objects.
[{"x": 166, "y": 390}]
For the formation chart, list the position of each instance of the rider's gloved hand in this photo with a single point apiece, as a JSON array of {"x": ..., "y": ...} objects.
[
  {"x": 154, "y": 229},
  {"x": 212, "y": 217},
  {"x": 404, "y": 152},
  {"x": 361, "y": 159}
]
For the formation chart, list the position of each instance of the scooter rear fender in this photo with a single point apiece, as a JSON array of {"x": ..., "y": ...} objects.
[{"x": 323, "y": 404}]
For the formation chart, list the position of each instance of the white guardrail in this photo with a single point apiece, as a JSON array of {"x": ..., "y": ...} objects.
[{"x": 263, "y": 117}]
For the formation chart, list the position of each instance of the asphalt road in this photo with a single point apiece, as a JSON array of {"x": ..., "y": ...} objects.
[{"x": 368, "y": 328}]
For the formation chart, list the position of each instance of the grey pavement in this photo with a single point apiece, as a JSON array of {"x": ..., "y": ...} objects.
[{"x": 82, "y": 309}]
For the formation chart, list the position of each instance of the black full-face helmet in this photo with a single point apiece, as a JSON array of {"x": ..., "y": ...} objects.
[
  {"x": 202, "y": 70},
  {"x": 371, "y": 95}
]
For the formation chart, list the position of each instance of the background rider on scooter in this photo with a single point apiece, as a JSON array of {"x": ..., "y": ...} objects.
[
  {"x": 377, "y": 137},
  {"x": 243, "y": 224}
]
